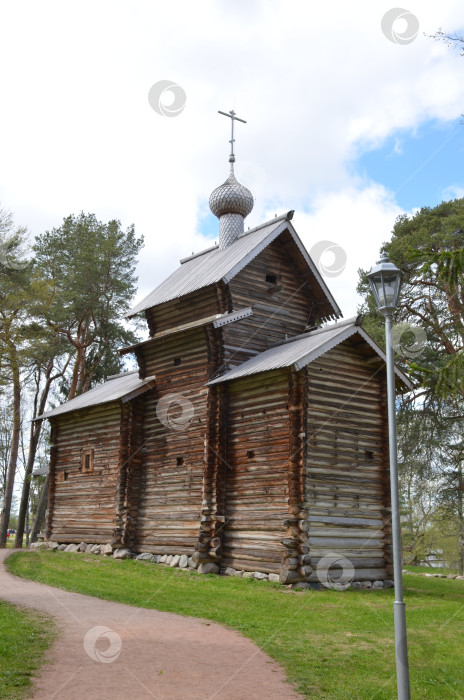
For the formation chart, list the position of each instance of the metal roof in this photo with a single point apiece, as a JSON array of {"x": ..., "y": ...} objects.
[
  {"x": 124, "y": 386},
  {"x": 300, "y": 351},
  {"x": 215, "y": 265}
]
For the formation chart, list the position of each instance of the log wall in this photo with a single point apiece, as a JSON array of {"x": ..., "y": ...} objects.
[
  {"x": 174, "y": 448},
  {"x": 257, "y": 479},
  {"x": 82, "y": 506},
  {"x": 347, "y": 494},
  {"x": 191, "y": 307},
  {"x": 279, "y": 310}
]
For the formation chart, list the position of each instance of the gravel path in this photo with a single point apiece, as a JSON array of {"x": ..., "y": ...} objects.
[{"x": 140, "y": 653}]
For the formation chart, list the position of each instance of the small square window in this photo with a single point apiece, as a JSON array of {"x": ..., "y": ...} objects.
[
  {"x": 250, "y": 454},
  {"x": 180, "y": 461},
  {"x": 87, "y": 461},
  {"x": 177, "y": 361},
  {"x": 272, "y": 279}
]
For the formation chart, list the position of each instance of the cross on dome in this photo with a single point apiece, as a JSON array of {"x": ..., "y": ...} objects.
[{"x": 231, "y": 202}]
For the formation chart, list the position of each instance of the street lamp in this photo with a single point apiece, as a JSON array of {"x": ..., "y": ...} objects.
[{"x": 385, "y": 281}]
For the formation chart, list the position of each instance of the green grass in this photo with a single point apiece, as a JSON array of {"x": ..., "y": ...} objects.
[
  {"x": 332, "y": 645},
  {"x": 25, "y": 636}
]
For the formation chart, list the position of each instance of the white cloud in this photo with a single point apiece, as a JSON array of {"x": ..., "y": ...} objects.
[{"x": 317, "y": 84}]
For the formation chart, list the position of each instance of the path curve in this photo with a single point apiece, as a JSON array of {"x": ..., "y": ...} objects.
[{"x": 161, "y": 655}]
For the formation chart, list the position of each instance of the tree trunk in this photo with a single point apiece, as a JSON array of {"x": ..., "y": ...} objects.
[
  {"x": 41, "y": 510},
  {"x": 33, "y": 443},
  {"x": 13, "y": 456}
]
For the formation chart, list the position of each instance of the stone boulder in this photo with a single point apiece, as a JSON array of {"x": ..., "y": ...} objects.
[
  {"x": 175, "y": 561},
  {"x": 38, "y": 545},
  {"x": 106, "y": 549},
  {"x": 274, "y": 577},
  {"x": 230, "y": 571},
  {"x": 208, "y": 568},
  {"x": 183, "y": 561},
  {"x": 122, "y": 553},
  {"x": 95, "y": 549},
  {"x": 82, "y": 547},
  {"x": 72, "y": 548},
  {"x": 260, "y": 576},
  {"x": 192, "y": 563}
]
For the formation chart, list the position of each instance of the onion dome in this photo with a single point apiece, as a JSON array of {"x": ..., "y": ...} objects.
[
  {"x": 231, "y": 198},
  {"x": 231, "y": 202}
]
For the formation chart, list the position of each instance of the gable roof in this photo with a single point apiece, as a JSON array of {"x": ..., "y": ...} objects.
[
  {"x": 124, "y": 386},
  {"x": 215, "y": 265},
  {"x": 300, "y": 351}
]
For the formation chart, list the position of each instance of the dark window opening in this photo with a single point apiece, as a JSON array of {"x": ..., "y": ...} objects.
[
  {"x": 250, "y": 454},
  {"x": 272, "y": 279},
  {"x": 369, "y": 454},
  {"x": 66, "y": 476},
  {"x": 87, "y": 461},
  {"x": 180, "y": 461},
  {"x": 177, "y": 361}
]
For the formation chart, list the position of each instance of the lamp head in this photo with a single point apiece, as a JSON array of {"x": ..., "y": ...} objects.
[{"x": 385, "y": 280}]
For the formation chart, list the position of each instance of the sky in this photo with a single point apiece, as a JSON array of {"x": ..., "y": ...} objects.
[{"x": 353, "y": 118}]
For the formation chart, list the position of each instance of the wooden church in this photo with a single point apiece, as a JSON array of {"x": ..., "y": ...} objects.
[{"x": 253, "y": 434}]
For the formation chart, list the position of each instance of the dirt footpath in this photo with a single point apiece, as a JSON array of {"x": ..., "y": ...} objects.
[{"x": 115, "y": 651}]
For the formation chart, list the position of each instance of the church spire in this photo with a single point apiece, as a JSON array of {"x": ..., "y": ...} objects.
[{"x": 231, "y": 202}]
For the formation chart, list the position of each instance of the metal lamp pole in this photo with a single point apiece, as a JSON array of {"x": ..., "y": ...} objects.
[{"x": 385, "y": 280}]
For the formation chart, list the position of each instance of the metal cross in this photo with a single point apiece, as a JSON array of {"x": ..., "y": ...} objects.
[{"x": 232, "y": 116}]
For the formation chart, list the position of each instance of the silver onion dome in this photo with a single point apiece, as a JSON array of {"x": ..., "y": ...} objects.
[
  {"x": 231, "y": 198},
  {"x": 231, "y": 202}
]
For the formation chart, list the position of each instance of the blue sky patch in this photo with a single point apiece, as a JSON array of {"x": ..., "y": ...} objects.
[{"x": 421, "y": 168}]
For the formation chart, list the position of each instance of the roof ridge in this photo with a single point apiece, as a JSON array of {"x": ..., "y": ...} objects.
[{"x": 287, "y": 217}]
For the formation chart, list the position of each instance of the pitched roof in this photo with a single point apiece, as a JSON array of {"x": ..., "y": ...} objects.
[
  {"x": 300, "y": 351},
  {"x": 124, "y": 386},
  {"x": 215, "y": 265}
]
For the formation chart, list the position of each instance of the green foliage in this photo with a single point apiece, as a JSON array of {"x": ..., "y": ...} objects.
[
  {"x": 332, "y": 645},
  {"x": 25, "y": 636},
  {"x": 88, "y": 268}
]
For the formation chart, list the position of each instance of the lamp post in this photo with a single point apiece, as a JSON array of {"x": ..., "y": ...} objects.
[{"x": 385, "y": 281}]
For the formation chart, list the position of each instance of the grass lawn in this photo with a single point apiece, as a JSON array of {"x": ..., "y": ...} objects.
[
  {"x": 337, "y": 646},
  {"x": 25, "y": 636}
]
